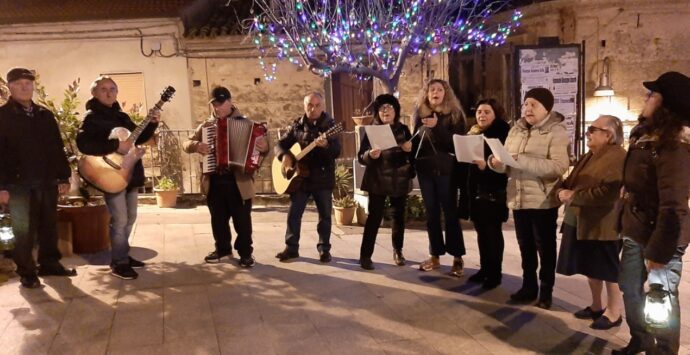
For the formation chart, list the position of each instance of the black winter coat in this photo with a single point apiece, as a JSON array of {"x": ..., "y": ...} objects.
[
  {"x": 434, "y": 157},
  {"x": 98, "y": 123},
  {"x": 391, "y": 174},
  {"x": 31, "y": 149},
  {"x": 483, "y": 197},
  {"x": 321, "y": 161}
]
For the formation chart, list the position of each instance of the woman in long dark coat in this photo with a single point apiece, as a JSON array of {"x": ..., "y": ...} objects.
[
  {"x": 388, "y": 174},
  {"x": 485, "y": 199}
]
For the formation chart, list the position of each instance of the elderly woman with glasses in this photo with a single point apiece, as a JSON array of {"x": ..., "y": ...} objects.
[
  {"x": 389, "y": 175},
  {"x": 590, "y": 244}
]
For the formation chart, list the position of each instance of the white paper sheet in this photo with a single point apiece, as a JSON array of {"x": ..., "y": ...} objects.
[
  {"x": 380, "y": 136},
  {"x": 500, "y": 152},
  {"x": 468, "y": 148}
]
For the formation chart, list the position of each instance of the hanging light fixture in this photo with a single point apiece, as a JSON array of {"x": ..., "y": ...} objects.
[
  {"x": 604, "y": 88},
  {"x": 657, "y": 308}
]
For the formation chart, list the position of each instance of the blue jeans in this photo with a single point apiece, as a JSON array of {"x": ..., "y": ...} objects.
[
  {"x": 123, "y": 214},
  {"x": 298, "y": 202},
  {"x": 633, "y": 275},
  {"x": 438, "y": 194}
]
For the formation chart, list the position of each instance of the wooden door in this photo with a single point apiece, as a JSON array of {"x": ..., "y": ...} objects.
[{"x": 350, "y": 97}]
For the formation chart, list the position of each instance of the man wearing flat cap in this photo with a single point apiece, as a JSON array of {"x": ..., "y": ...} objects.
[
  {"x": 31, "y": 177},
  {"x": 229, "y": 192}
]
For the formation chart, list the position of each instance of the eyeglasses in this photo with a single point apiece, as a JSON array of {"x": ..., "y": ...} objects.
[
  {"x": 592, "y": 129},
  {"x": 385, "y": 107}
]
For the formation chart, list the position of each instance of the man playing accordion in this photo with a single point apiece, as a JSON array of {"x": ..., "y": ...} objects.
[{"x": 229, "y": 189}]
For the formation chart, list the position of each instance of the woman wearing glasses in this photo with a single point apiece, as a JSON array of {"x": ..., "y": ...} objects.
[
  {"x": 539, "y": 142},
  {"x": 437, "y": 118},
  {"x": 654, "y": 220},
  {"x": 590, "y": 244},
  {"x": 388, "y": 174}
]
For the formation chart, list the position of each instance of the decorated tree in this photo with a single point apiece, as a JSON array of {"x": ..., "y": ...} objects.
[{"x": 371, "y": 38}]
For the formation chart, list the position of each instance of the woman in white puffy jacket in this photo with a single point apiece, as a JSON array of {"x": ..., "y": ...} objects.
[{"x": 539, "y": 142}]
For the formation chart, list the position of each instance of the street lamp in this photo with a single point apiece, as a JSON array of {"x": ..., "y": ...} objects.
[{"x": 604, "y": 89}]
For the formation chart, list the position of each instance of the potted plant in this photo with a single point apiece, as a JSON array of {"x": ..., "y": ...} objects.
[
  {"x": 166, "y": 193},
  {"x": 344, "y": 203}
]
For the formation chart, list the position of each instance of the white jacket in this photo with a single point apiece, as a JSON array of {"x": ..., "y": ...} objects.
[{"x": 542, "y": 152}]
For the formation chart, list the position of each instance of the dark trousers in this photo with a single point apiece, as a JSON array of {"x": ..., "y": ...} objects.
[
  {"x": 536, "y": 234},
  {"x": 225, "y": 202},
  {"x": 490, "y": 241},
  {"x": 324, "y": 205},
  {"x": 371, "y": 228},
  {"x": 632, "y": 277},
  {"x": 34, "y": 219},
  {"x": 438, "y": 194}
]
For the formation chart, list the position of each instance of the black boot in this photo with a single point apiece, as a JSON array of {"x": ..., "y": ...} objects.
[
  {"x": 524, "y": 295},
  {"x": 398, "y": 257},
  {"x": 545, "y": 298},
  {"x": 635, "y": 346}
]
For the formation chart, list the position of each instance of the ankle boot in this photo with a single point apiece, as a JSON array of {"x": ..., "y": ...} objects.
[
  {"x": 398, "y": 257},
  {"x": 545, "y": 297}
]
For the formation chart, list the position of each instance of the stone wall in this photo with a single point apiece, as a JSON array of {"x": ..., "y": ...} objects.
[{"x": 641, "y": 38}]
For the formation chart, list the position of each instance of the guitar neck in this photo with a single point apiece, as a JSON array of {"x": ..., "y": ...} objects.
[
  {"x": 140, "y": 129},
  {"x": 306, "y": 151}
]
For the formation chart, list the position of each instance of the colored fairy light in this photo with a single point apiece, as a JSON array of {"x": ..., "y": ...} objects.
[{"x": 372, "y": 36}]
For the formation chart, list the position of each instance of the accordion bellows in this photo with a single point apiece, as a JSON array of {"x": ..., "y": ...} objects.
[{"x": 232, "y": 143}]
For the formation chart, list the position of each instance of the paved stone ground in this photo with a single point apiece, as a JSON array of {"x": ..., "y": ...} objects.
[{"x": 181, "y": 306}]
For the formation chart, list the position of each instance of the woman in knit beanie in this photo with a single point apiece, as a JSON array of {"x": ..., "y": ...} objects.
[
  {"x": 539, "y": 142},
  {"x": 389, "y": 175}
]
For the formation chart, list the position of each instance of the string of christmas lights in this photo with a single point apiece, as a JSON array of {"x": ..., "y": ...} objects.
[{"x": 374, "y": 37}]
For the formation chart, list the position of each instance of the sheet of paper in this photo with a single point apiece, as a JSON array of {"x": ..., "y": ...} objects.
[
  {"x": 500, "y": 152},
  {"x": 380, "y": 136},
  {"x": 468, "y": 148}
]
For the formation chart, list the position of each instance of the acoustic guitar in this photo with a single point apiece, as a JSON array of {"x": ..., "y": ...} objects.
[
  {"x": 288, "y": 181},
  {"x": 111, "y": 173}
]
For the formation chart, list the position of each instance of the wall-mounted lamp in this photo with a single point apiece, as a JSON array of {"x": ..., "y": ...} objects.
[{"x": 604, "y": 88}]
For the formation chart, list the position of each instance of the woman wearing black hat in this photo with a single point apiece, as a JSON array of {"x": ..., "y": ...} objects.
[
  {"x": 388, "y": 174},
  {"x": 654, "y": 220},
  {"x": 539, "y": 142}
]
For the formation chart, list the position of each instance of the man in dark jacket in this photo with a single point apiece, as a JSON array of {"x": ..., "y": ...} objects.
[
  {"x": 96, "y": 137},
  {"x": 31, "y": 176},
  {"x": 321, "y": 180}
]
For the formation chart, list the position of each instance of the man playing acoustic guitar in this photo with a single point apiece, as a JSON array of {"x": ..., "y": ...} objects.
[
  {"x": 319, "y": 166},
  {"x": 104, "y": 114}
]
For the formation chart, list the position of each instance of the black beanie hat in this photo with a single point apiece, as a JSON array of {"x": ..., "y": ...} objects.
[
  {"x": 674, "y": 88},
  {"x": 543, "y": 95},
  {"x": 386, "y": 99}
]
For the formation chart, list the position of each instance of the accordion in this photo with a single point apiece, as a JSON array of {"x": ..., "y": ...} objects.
[{"x": 232, "y": 143}]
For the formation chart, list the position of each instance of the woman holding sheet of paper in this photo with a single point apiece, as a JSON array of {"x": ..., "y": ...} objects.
[
  {"x": 539, "y": 143},
  {"x": 389, "y": 174},
  {"x": 437, "y": 118},
  {"x": 485, "y": 197}
]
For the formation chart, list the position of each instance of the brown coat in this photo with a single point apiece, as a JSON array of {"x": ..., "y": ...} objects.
[
  {"x": 245, "y": 182},
  {"x": 596, "y": 181},
  {"x": 654, "y": 209}
]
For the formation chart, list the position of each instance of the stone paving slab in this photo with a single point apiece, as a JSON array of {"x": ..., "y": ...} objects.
[{"x": 179, "y": 305}]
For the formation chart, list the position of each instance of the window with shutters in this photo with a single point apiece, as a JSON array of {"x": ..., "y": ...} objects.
[{"x": 130, "y": 90}]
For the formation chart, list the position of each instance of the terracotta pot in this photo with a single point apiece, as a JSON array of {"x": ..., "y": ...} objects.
[
  {"x": 88, "y": 226},
  {"x": 166, "y": 198},
  {"x": 363, "y": 120},
  {"x": 344, "y": 215},
  {"x": 361, "y": 216}
]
